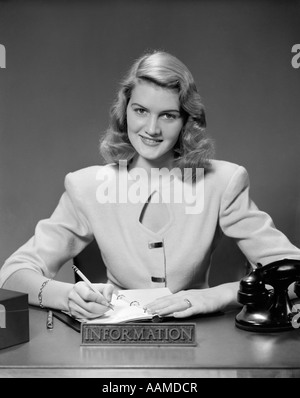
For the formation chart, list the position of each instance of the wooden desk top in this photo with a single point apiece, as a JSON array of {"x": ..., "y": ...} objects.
[{"x": 222, "y": 351}]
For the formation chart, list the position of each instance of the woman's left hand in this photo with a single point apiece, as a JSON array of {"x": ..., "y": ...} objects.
[{"x": 187, "y": 303}]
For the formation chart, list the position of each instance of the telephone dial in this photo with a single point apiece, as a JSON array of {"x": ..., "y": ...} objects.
[{"x": 269, "y": 309}]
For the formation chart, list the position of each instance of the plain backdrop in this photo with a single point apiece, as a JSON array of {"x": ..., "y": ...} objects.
[{"x": 64, "y": 60}]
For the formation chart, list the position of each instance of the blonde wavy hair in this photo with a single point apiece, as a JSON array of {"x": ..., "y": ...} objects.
[{"x": 193, "y": 148}]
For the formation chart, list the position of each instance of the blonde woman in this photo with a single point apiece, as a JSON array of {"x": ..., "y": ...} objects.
[{"x": 151, "y": 229}]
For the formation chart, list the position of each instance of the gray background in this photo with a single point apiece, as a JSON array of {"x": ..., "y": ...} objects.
[{"x": 66, "y": 58}]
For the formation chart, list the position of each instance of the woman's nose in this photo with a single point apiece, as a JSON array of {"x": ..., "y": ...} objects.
[{"x": 152, "y": 127}]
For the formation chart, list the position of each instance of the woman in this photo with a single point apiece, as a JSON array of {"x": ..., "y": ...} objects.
[{"x": 151, "y": 232}]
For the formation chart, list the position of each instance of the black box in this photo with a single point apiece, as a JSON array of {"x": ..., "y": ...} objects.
[{"x": 14, "y": 318}]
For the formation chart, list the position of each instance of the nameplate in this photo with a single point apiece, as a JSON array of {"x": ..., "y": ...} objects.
[{"x": 152, "y": 334}]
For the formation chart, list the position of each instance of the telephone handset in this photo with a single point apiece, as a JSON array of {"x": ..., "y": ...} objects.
[{"x": 268, "y": 310}]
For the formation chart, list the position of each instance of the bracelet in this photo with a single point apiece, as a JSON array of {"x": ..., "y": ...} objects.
[{"x": 40, "y": 295}]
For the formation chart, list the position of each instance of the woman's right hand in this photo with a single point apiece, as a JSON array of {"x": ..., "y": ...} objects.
[{"x": 85, "y": 303}]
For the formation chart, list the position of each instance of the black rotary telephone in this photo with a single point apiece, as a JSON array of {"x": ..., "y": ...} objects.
[{"x": 269, "y": 310}]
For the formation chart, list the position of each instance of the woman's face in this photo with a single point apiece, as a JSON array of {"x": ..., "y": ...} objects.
[{"x": 154, "y": 123}]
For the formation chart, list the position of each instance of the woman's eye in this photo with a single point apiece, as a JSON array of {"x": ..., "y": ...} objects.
[
  {"x": 169, "y": 116},
  {"x": 140, "y": 111}
]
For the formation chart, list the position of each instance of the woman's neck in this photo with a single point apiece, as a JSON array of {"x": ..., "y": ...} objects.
[{"x": 148, "y": 165}]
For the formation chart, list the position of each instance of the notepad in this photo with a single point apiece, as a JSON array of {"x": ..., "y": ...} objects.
[{"x": 129, "y": 306}]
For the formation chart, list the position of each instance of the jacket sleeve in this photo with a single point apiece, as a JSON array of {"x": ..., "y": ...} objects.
[
  {"x": 252, "y": 229},
  {"x": 56, "y": 240}
]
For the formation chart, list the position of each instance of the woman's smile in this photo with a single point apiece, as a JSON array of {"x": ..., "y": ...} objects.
[{"x": 150, "y": 141}]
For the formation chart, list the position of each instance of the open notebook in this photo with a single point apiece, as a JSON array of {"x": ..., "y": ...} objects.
[{"x": 128, "y": 307}]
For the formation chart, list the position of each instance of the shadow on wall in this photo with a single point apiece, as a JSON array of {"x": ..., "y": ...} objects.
[{"x": 228, "y": 263}]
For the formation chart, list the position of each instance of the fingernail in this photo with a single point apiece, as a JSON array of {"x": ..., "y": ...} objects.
[{"x": 155, "y": 312}]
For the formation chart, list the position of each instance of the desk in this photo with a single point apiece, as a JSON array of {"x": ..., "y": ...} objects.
[{"x": 222, "y": 351}]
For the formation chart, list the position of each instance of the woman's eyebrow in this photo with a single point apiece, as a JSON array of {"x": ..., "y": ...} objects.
[
  {"x": 136, "y": 104},
  {"x": 163, "y": 111}
]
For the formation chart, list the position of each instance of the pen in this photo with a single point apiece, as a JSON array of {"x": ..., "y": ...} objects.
[
  {"x": 50, "y": 320},
  {"x": 85, "y": 279}
]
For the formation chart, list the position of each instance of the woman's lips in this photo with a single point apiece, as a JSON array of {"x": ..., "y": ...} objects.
[{"x": 150, "y": 141}]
